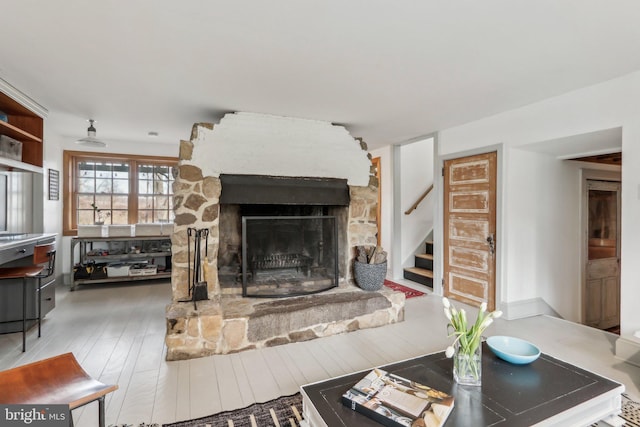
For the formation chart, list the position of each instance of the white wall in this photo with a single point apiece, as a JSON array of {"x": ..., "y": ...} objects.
[
  {"x": 52, "y": 209},
  {"x": 541, "y": 232},
  {"x": 630, "y": 251},
  {"x": 604, "y": 106},
  {"x": 415, "y": 177}
]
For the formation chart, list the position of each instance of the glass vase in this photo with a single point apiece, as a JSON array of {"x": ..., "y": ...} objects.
[{"x": 467, "y": 365}]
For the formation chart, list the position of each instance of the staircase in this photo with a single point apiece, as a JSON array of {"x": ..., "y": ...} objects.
[{"x": 423, "y": 271}]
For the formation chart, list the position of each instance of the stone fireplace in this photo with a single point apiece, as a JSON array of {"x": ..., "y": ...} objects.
[{"x": 285, "y": 201}]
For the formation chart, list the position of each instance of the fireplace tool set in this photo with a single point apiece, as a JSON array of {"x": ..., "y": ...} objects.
[{"x": 197, "y": 286}]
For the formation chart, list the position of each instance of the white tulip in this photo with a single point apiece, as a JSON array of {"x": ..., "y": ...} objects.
[
  {"x": 486, "y": 323},
  {"x": 449, "y": 352},
  {"x": 447, "y": 313},
  {"x": 445, "y": 302},
  {"x": 496, "y": 314},
  {"x": 483, "y": 307}
]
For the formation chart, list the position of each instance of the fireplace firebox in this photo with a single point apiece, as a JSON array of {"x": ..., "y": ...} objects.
[
  {"x": 288, "y": 255},
  {"x": 279, "y": 236}
]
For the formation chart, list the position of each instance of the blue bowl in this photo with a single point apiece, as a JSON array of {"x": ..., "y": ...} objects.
[{"x": 513, "y": 350}]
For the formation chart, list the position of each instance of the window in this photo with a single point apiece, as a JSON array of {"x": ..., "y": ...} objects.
[
  {"x": 117, "y": 189},
  {"x": 102, "y": 192},
  {"x": 155, "y": 195}
]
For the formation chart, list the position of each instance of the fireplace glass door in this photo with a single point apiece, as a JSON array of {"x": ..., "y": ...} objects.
[{"x": 288, "y": 255}]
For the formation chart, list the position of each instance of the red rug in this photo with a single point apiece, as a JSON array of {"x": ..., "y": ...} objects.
[{"x": 408, "y": 292}]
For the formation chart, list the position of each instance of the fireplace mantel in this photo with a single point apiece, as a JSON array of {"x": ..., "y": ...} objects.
[{"x": 261, "y": 189}]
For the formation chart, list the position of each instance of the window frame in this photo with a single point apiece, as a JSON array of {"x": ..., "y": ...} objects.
[{"x": 70, "y": 161}]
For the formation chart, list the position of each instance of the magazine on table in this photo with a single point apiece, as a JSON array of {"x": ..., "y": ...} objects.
[{"x": 395, "y": 401}]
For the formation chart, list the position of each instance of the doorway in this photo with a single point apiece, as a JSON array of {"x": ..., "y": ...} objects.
[
  {"x": 601, "y": 292},
  {"x": 469, "y": 260}
]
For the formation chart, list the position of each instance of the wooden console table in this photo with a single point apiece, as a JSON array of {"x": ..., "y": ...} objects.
[{"x": 548, "y": 392}]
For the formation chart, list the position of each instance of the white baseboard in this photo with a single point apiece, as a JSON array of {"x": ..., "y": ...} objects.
[
  {"x": 526, "y": 308},
  {"x": 628, "y": 350}
]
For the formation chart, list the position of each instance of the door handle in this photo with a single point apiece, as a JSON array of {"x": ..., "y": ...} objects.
[{"x": 491, "y": 240}]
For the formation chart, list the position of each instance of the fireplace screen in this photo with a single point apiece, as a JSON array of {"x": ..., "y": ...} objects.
[{"x": 288, "y": 255}]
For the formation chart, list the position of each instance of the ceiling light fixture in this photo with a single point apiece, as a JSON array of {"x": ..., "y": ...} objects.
[{"x": 91, "y": 140}]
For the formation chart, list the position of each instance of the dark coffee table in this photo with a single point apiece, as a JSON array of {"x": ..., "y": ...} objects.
[{"x": 546, "y": 392}]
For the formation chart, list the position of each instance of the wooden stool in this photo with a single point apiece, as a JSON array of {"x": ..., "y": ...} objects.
[
  {"x": 44, "y": 260},
  {"x": 59, "y": 380}
]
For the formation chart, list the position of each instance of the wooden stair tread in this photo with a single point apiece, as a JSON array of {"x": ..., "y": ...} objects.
[
  {"x": 420, "y": 271},
  {"x": 425, "y": 256}
]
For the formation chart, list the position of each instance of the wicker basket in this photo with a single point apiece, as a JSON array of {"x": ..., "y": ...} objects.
[{"x": 369, "y": 277}]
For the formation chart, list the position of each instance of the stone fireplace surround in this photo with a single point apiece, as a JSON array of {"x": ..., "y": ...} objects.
[{"x": 272, "y": 146}]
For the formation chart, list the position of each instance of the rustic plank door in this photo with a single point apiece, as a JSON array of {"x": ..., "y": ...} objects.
[
  {"x": 470, "y": 229},
  {"x": 601, "y": 305}
]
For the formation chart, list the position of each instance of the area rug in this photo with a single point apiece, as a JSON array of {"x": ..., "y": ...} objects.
[
  {"x": 280, "y": 412},
  {"x": 408, "y": 292}
]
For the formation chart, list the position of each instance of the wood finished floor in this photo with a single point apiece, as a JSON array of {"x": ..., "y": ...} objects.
[{"x": 117, "y": 334}]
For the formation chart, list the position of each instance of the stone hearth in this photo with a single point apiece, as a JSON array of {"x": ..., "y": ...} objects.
[
  {"x": 237, "y": 324},
  {"x": 254, "y": 144}
]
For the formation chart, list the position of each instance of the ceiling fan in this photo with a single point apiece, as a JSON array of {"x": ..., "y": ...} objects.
[{"x": 91, "y": 140}]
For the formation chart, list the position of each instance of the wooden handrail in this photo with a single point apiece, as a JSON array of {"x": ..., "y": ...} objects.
[{"x": 415, "y": 205}]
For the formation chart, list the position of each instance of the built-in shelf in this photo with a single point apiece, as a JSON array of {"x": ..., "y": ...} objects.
[
  {"x": 16, "y": 166},
  {"x": 17, "y": 133},
  {"x": 25, "y": 125}
]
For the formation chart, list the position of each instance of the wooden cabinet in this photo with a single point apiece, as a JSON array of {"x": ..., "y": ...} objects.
[
  {"x": 27, "y": 127},
  {"x": 120, "y": 250}
]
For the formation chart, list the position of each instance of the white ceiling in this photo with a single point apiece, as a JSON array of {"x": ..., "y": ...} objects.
[{"x": 390, "y": 71}]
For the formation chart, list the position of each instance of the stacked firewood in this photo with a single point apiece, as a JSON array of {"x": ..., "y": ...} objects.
[{"x": 371, "y": 254}]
